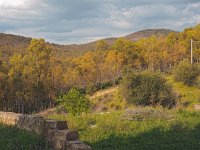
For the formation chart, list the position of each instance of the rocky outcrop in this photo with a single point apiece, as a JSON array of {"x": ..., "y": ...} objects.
[{"x": 56, "y": 133}]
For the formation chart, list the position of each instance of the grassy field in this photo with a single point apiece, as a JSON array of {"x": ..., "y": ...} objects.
[
  {"x": 177, "y": 129},
  {"x": 163, "y": 130},
  {"x": 148, "y": 129},
  {"x": 188, "y": 95},
  {"x": 107, "y": 100},
  {"x": 12, "y": 138},
  {"x": 110, "y": 99}
]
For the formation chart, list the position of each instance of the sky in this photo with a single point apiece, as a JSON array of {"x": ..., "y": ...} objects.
[{"x": 82, "y": 21}]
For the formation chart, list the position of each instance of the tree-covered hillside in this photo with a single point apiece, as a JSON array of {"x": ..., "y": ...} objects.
[
  {"x": 32, "y": 79},
  {"x": 10, "y": 44}
]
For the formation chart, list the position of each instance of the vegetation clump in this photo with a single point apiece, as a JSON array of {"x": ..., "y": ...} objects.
[
  {"x": 31, "y": 79},
  {"x": 187, "y": 73},
  {"x": 75, "y": 102},
  {"x": 147, "y": 89}
]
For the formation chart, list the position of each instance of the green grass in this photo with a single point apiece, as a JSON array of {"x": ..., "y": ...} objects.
[
  {"x": 110, "y": 131},
  {"x": 108, "y": 102},
  {"x": 188, "y": 95},
  {"x": 177, "y": 129},
  {"x": 12, "y": 138}
]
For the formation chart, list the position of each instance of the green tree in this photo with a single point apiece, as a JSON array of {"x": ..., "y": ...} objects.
[
  {"x": 29, "y": 77},
  {"x": 147, "y": 89},
  {"x": 74, "y": 102},
  {"x": 38, "y": 72}
]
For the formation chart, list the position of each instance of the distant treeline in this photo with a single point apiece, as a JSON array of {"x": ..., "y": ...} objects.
[{"x": 30, "y": 82}]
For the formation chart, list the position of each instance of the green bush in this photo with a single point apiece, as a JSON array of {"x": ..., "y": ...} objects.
[
  {"x": 198, "y": 82},
  {"x": 186, "y": 73},
  {"x": 147, "y": 89},
  {"x": 74, "y": 102}
]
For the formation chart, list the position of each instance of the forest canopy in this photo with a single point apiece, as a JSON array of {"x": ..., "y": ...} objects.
[{"x": 31, "y": 81}]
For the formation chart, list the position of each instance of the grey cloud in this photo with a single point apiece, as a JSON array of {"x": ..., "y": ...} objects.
[{"x": 79, "y": 21}]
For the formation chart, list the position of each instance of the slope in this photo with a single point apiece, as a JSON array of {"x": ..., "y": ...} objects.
[{"x": 10, "y": 44}]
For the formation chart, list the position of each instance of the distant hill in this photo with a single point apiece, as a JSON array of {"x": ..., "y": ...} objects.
[
  {"x": 147, "y": 33},
  {"x": 10, "y": 44}
]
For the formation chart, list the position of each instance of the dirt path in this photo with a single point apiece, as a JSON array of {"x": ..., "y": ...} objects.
[
  {"x": 103, "y": 92},
  {"x": 99, "y": 93}
]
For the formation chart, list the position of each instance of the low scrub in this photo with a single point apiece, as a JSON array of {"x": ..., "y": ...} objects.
[
  {"x": 187, "y": 73},
  {"x": 147, "y": 89}
]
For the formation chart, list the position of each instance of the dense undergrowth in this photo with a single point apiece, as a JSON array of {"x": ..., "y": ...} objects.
[{"x": 12, "y": 138}]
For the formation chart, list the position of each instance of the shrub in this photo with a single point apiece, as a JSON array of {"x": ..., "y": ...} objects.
[
  {"x": 74, "y": 102},
  {"x": 147, "y": 88},
  {"x": 198, "y": 81},
  {"x": 186, "y": 73}
]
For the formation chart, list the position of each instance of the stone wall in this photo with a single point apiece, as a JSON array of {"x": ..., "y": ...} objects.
[{"x": 56, "y": 133}]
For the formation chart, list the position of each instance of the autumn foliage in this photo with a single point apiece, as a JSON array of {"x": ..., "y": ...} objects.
[{"x": 31, "y": 81}]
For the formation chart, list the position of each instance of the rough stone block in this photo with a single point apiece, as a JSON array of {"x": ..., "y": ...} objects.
[
  {"x": 26, "y": 126},
  {"x": 38, "y": 121},
  {"x": 28, "y": 118},
  {"x": 65, "y": 135},
  {"x": 59, "y": 145},
  {"x": 76, "y": 145},
  {"x": 54, "y": 124},
  {"x": 38, "y": 130},
  {"x": 49, "y": 135},
  {"x": 20, "y": 122}
]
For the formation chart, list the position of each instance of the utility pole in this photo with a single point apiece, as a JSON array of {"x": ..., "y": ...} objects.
[{"x": 191, "y": 52}]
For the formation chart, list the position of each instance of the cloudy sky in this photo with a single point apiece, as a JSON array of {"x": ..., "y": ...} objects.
[{"x": 81, "y": 21}]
